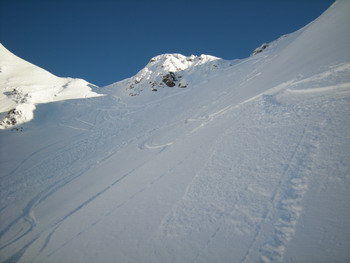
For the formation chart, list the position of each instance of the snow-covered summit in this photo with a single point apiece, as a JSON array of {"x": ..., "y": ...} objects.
[
  {"x": 23, "y": 85},
  {"x": 170, "y": 70},
  {"x": 178, "y": 62}
]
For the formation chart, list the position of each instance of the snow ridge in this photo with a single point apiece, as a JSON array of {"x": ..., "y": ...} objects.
[{"x": 24, "y": 85}]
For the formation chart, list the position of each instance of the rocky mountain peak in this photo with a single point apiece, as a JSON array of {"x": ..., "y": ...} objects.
[{"x": 166, "y": 70}]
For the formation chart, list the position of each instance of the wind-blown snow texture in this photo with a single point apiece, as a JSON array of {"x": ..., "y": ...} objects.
[{"x": 247, "y": 163}]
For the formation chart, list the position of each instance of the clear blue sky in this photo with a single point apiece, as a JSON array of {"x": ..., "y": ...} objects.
[{"x": 104, "y": 41}]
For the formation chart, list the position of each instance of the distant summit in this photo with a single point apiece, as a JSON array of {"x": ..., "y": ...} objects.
[{"x": 171, "y": 70}]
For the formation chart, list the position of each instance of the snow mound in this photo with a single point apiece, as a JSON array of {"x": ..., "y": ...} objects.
[{"x": 24, "y": 85}]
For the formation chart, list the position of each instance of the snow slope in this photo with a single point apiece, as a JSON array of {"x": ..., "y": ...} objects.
[
  {"x": 248, "y": 163},
  {"x": 24, "y": 85}
]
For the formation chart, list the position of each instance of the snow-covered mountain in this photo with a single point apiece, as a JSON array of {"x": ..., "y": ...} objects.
[
  {"x": 24, "y": 85},
  {"x": 172, "y": 70},
  {"x": 247, "y": 163}
]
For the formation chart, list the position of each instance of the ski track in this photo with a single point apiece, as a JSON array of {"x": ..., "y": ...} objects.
[
  {"x": 29, "y": 157},
  {"x": 280, "y": 212},
  {"x": 27, "y": 214},
  {"x": 102, "y": 217},
  {"x": 62, "y": 158},
  {"x": 154, "y": 147},
  {"x": 58, "y": 159},
  {"x": 73, "y": 127},
  {"x": 146, "y": 146},
  {"x": 292, "y": 182}
]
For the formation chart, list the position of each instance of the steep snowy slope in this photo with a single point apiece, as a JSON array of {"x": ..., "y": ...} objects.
[
  {"x": 248, "y": 163},
  {"x": 24, "y": 85}
]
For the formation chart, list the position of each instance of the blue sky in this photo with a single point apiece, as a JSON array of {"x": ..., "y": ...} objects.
[{"x": 105, "y": 41}]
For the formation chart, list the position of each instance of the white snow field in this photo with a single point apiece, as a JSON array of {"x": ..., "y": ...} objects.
[
  {"x": 24, "y": 85},
  {"x": 250, "y": 162}
]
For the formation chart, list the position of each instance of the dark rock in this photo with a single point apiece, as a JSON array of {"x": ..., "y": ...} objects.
[
  {"x": 169, "y": 79},
  {"x": 260, "y": 49}
]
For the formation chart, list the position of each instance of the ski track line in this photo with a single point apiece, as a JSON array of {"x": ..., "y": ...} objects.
[
  {"x": 62, "y": 150},
  {"x": 163, "y": 225},
  {"x": 149, "y": 184},
  {"x": 3, "y": 208},
  {"x": 29, "y": 156},
  {"x": 207, "y": 163},
  {"x": 18, "y": 255},
  {"x": 47, "y": 239},
  {"x": 88, "y": 123},
  {"x": 27, "y": 212},
  {"x": 38, "y": 199},
  {"x": 153, "y": 147},
  {"x": 272, "y": 206},
  {"x": 207, "y": 244},
  {"x": 103, "y": 191},
  {"x": 274, "y": 250},
  {"x": 211, "y": 117},
  {"x": 289, "y": 204},
  {"x": 332, "y": 88},
  {"x": 72, "y": 127},
  {"x": 332, "y": 71}
]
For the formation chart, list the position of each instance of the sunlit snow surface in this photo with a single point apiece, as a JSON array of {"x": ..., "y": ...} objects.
[
  {"x": 24, "y": 85},
  {"x": 249, "y": 163}
]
